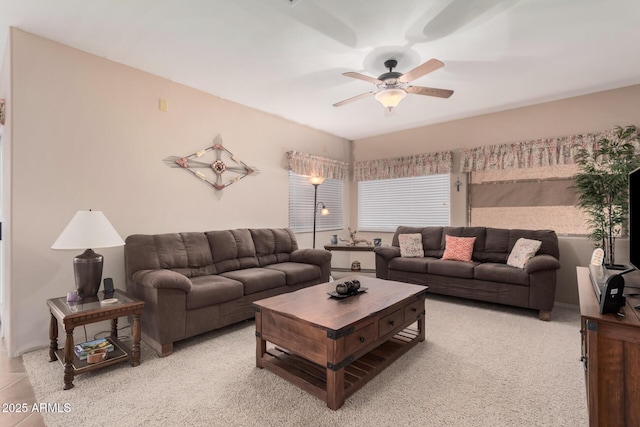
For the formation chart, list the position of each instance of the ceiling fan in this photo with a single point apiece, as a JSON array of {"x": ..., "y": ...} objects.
[{"x": 392, "y": 86}]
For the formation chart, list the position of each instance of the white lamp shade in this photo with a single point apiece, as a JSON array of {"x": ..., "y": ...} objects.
[
  {"x": 390, "y": 98},
  {"x": 88, "y": 229},
  {"x": 316, "y": 180}
]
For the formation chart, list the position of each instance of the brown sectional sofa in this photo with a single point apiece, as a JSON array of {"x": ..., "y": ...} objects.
[
  {"x": 487, "y": 277},
  {"x": 196, "y": 282}
]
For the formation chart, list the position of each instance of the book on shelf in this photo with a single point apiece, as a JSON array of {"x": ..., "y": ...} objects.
[{"x": 85, "y": 348}]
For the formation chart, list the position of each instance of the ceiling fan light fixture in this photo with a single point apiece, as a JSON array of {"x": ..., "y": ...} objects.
[{"x": 390, "y": 98}]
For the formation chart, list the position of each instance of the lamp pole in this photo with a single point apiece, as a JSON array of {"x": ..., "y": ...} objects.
[
  {"x": 315, "y": 211},
  {"x": 315, "y": 181}
]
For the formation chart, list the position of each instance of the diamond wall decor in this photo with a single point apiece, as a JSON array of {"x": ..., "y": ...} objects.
[{"x": 222, "y": 171}]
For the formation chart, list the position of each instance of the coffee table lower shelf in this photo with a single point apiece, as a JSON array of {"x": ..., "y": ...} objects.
[{"x": 313, "y": 378}]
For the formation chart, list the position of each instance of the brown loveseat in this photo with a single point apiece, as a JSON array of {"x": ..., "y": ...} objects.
[
  {"x": 196, "y": 282},
  {"x": 487, "y": 277}
]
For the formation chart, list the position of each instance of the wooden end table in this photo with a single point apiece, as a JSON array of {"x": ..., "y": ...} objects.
[
  {"x": 354, "y": 248},
  {"x": 78, "y": 314}
]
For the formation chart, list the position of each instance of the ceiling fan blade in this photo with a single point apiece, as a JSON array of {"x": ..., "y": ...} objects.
[
  {"x": 421, "y": 70},
  {"x": 362, "y": 77},
  {"x": 429, "y": 91},
  {"x": 354, "y": 98}
]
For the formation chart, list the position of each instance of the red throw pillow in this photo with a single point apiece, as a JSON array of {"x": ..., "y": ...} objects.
[{"x": 458, "y": 248}]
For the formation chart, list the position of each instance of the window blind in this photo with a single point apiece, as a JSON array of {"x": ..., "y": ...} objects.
[
  {"x": 419, "y": 201},
  {"x": 330, "y": 192}
]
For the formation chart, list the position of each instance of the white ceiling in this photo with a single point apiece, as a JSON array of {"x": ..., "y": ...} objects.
[{"x": 288, "y": 60}]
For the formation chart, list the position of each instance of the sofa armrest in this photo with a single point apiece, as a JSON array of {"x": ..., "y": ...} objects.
[
  {"x": 387, "y": 252},
  {"x": 541, "y": 262},
  {"x": 162, "y": 279},
  {"x": 384, "y": 254},
  {"x": 311, "y": 256}
]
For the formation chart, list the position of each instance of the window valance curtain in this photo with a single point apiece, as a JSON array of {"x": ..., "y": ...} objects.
[
  {"x": 309, "y": 165},
  {"x": 530, "y": 154},
  {"x": 403, "y": 167}
]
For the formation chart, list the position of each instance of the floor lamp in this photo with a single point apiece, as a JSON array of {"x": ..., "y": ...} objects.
[{"x": 316, "y": 181}]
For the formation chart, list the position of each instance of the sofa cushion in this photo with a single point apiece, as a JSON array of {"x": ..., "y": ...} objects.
[
  {"x": 199, "y": 258},
  {"x": 496, "y": 246},
  {"x": 171, "y": 251},
  {"x": 273, "y": 245},
  {"x": 258, "y": 279},
  {"x": 232, "y": 250},
  {"x": 411, "y": 245},
  {"x": 264, "y": 241},
  {"x": 414, "y": 265},
  {"x": 296, "y": 272},
  {"x": 445, "y": 267},
  {"x": 184, "y": 253},
  {"x": 501, "y": 273},
  {"x": 432, "y": 241},
  {"x": 212, "y": 290},
  {"x": 285, "y": 240},
  {"x": 523, "y": 250},
  {"x": 458, "y": 248}
]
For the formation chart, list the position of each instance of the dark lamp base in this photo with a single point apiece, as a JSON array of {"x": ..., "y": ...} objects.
[{"x": 87, "y": 269}]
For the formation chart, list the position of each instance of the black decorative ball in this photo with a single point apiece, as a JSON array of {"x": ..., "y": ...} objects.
[{"x": 342, "y": 289}]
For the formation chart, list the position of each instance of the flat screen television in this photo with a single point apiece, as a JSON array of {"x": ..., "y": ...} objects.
[{"x": 634, "y": 219}]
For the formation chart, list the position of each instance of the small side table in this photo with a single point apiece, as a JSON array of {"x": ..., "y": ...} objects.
[
  {"x": 348, "y": 248},
  {"x": 78, "y": 314},
  {"x": 367, "y": 248}
]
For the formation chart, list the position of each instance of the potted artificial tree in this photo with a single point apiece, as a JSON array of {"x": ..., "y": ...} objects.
[{"x": 602, "y": 186}]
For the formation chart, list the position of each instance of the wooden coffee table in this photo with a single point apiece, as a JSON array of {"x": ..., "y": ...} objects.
[{"x": 332, "y": 347}]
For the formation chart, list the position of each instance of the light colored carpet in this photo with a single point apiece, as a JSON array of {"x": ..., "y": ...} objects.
[{"x": 481, "y": 365}]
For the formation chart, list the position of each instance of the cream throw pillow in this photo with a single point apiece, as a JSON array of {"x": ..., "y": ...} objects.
[
  {"x": 522, "y": 251},
  {"x": 411, "y": 245}
]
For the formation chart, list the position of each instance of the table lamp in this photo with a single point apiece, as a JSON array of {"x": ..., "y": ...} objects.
[{"x": 86, "y": 230}]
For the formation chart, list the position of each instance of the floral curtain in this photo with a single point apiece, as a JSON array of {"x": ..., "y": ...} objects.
[
  {"x": 529, "y": 154},
  {"x": 402, "y": 167},
  {"x": 308, "y": 165}
]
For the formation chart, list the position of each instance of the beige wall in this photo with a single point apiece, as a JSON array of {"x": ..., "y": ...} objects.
[
  {"x": 5, "y": 195},
  {"x": 589, "y": 113},
  {"x": 88, "y": 134}
]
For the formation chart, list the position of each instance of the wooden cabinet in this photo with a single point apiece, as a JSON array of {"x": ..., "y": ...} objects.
[{"x": 611, "y": 355}]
